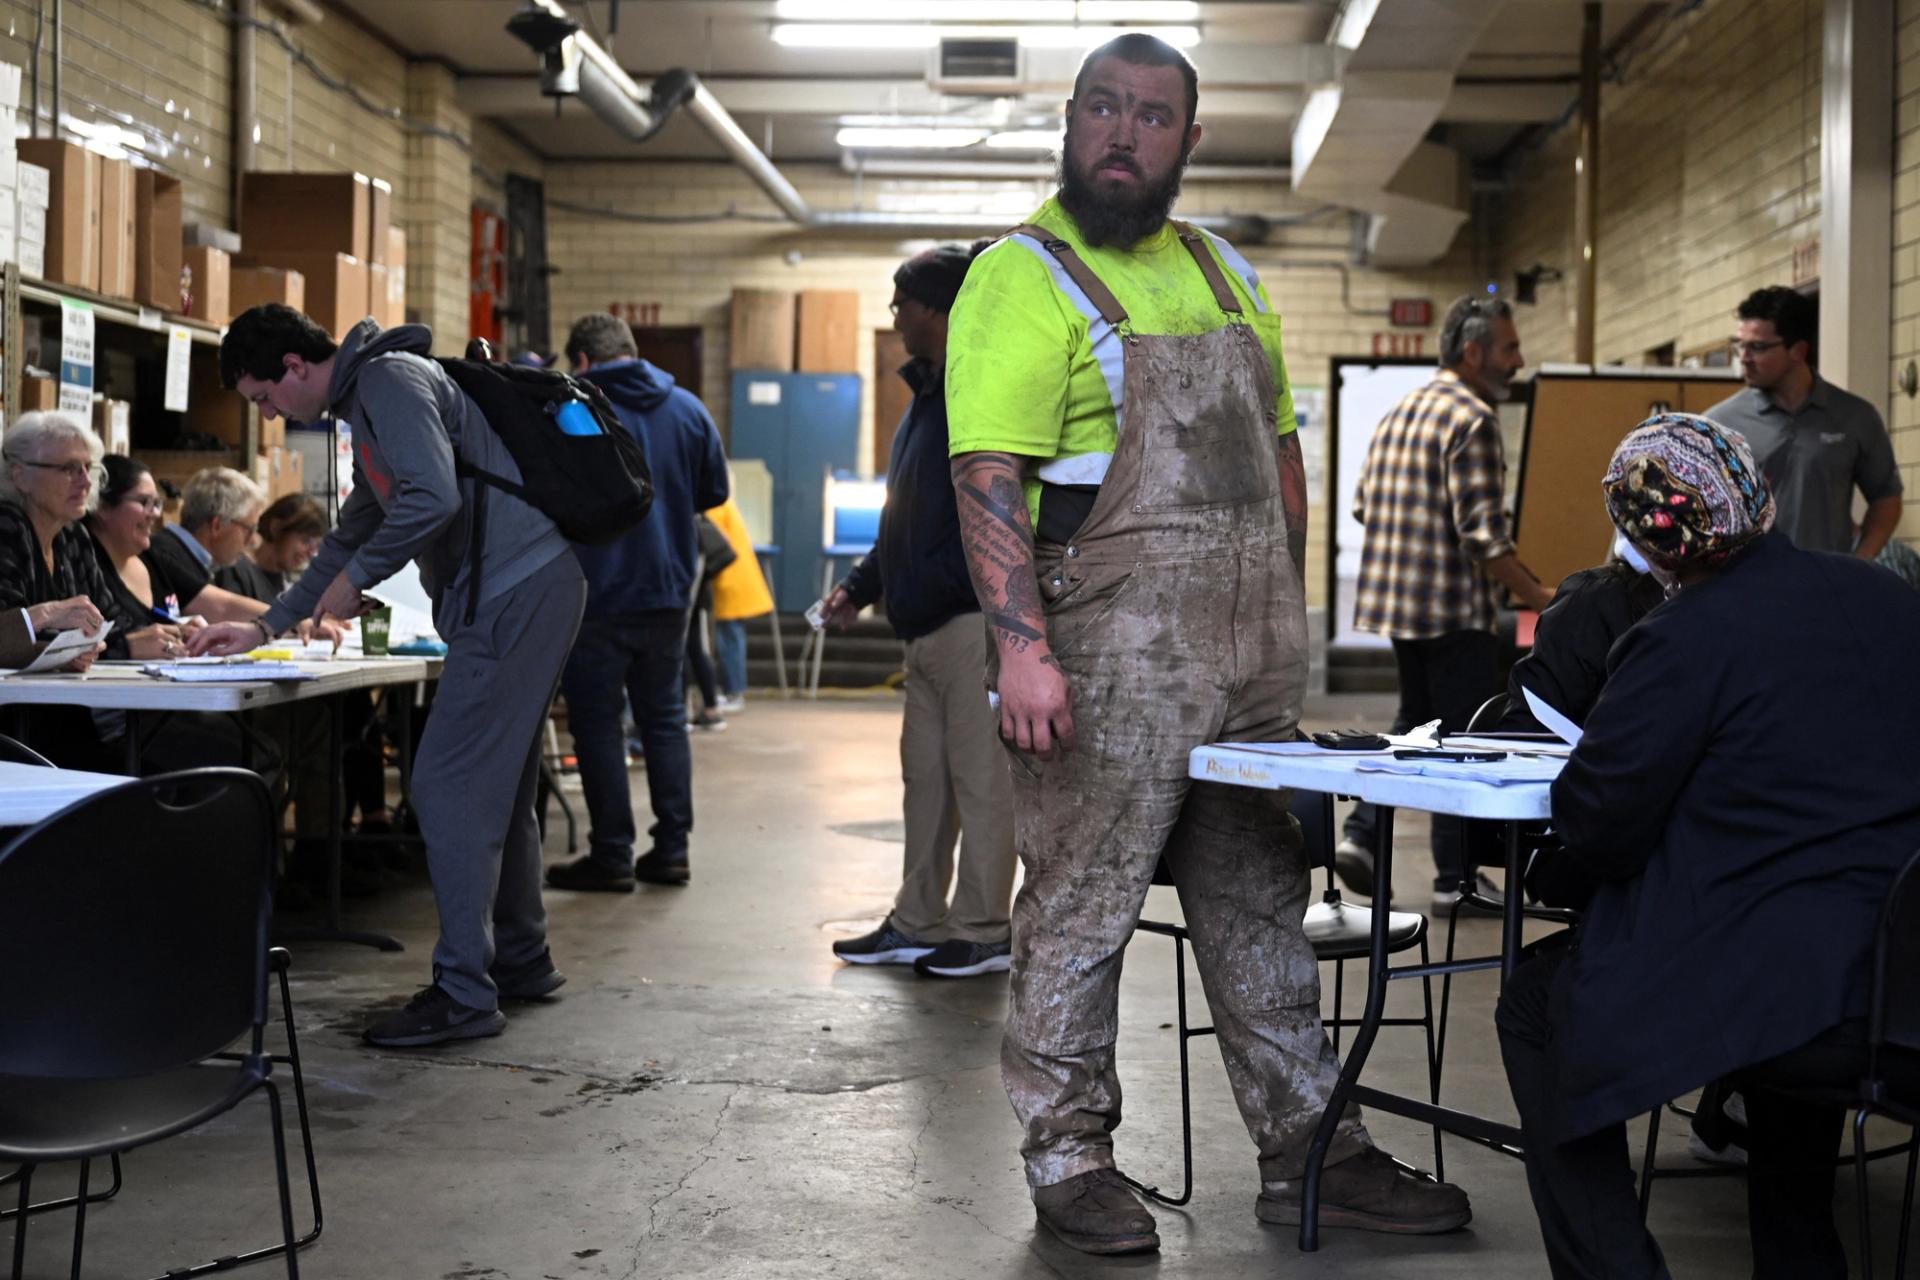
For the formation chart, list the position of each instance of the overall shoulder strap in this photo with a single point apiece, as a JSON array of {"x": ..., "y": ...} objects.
[
  {"x": 1196, "y": 242},
  {"x": 1077, "y": 270}
]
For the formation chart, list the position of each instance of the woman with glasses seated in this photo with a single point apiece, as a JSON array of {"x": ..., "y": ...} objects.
[
  {"x": 49, "y": 480},
  {"x": 288, "y": 534},
  {"x": 121, "y": 525}
]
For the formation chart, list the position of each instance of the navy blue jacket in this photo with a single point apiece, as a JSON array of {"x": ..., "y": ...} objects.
[
  {"x": 651, "y": 568},
  {"x": 917, "y": 561},
  {"x": 1746, "y": 790}
]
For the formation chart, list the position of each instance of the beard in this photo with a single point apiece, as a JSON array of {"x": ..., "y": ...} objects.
[{"x": 1112, "y": 213}]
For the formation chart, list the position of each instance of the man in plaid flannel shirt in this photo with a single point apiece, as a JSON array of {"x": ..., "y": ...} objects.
[{"x": 1438, "y": 541}]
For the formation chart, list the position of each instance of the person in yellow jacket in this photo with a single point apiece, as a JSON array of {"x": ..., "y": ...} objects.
[{"x": 739, "y": 593}]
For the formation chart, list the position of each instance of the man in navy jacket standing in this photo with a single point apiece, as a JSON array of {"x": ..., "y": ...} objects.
[
  {"x": 950, "y": 755},
  {"x": 634, "y": 636}
]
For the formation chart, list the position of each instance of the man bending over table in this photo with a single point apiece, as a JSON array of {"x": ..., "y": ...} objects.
[{"x": 478, "y": 763}]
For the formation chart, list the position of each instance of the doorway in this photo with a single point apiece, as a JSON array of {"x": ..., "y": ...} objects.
[{"x": 676, "y": 349}]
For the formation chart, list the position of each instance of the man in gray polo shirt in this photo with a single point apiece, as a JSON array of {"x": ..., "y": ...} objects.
[{"x": 1815, "y": 442}]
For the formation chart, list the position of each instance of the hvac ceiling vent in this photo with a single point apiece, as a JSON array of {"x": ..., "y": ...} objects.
[{"x": 976, "y": 66}]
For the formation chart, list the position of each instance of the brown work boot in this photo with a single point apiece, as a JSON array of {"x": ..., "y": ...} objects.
[
  {"x": 1374, "y": 1192},
  {"x": 1095, "y": 1212}
]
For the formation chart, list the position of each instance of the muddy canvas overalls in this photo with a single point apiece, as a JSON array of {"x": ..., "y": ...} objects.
[{"x": 1177, "y": 616}]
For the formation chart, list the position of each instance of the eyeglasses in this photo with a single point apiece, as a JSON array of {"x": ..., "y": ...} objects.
[
  {"x": 1756, "y": 347},
  {"x": 895, "y": 305},
  {"x": 151, "y": 504},
  {"x": 251, "y": 527},
  {"x": 72, "y": 470}
]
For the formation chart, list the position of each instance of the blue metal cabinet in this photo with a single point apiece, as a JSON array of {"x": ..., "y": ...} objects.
[{"x": 803, "y": 426}]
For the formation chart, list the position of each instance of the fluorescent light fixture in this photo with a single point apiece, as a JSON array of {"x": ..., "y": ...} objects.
[
  {"x": 1088, "y": 37},
  {"x": 1134, "y": 11},
  {"x": 1061, "y": 12},
  {"x": 851, "y": 35},
  {"x": 909, "y": 139},
  {"x": 1026, "y": 140},
  {"x": 923, "y": 10}
]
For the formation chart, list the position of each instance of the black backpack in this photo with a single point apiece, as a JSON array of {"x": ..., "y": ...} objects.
[{"x": 595, "y": 487}]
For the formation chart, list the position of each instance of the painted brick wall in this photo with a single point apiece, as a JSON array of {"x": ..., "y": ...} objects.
[
  {"x": 1905, "y": 416},
  {"x": 1710, "y": 174}
]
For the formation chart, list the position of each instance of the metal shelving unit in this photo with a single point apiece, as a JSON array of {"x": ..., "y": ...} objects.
[{"x": 17, "y": 289}]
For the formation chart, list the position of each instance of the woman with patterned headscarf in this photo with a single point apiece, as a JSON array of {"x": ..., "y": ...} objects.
[{"x": 1744, "y": 795}]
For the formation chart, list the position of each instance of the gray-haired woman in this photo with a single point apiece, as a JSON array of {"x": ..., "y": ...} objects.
[{"x": 49, "y": 477}]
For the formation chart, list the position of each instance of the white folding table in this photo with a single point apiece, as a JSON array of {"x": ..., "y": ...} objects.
[
  {"x": 123, "y": 686},
  {"x": 31, "y": 793},
  {"x": 1353, "y": 773}
]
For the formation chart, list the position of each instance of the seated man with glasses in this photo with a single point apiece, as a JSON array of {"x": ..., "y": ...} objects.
[
  {"x": 219, "y": 514},
  {"x": 1816, "y": 443}
]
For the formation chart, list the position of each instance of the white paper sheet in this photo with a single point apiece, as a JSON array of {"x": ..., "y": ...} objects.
[
  {"x": 64, "y": 648},
  {"x": 1554, "y": 719}
]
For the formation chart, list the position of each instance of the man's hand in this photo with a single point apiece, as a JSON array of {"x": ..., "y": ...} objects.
[
  {"x": 341, "y": 600},
  {"x": 73, "y": 613},
  {"x": 224, "y": 638},
  {"x": 326, "y": 629},
  {"x": 838, "y": 609},
  {"x": 1036, "y": 712},
  {"x": 85, "y": 660}
]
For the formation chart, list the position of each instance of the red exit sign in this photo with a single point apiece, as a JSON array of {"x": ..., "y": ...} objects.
[{"x": 1410, "y": 313}]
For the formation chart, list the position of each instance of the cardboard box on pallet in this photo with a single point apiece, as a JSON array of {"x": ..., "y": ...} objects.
[
  {"x": 379, "y": 218},
  {"x": 829, "y": 332},
  {"x": 73, "y": 210},
  {"x": 760, "y": 330},
  {"x": 157, "y": 249},
  {"x": 396, "y": 276}
]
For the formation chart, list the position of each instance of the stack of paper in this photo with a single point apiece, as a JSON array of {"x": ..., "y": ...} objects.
[{"x": 222, "y": 670}]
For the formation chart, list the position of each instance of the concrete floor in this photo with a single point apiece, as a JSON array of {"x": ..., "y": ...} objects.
[{"x": 713, "y": 1095}]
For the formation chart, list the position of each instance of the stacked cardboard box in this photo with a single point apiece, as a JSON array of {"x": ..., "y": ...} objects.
[
  {"x": 73, "y": 210},
  {"x": 330, "y": 227},
  {"x": 23, "y": 188},
  {"x": 157, "y": 246}
]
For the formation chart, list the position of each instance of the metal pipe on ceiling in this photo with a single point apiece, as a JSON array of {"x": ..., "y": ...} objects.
[
  {"x": 246, "y": 101},
  {"x": 1043, "y": 170}
]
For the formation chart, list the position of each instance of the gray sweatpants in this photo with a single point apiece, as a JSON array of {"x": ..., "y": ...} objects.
[{"x": 478, "y": 768}]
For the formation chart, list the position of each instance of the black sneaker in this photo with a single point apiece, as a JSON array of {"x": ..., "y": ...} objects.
[
  {"x": 589, "y": 875},
  {"x": 955, "y": 958},
  {"x": 434, "y": 1017},
  {"x": 885, "y": 945},
  {"x": 528, "y": 981},
  {"x": 656, "y": 867}
]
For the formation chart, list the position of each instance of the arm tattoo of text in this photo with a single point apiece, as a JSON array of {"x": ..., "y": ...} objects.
[{"x": 998, "y": 538}]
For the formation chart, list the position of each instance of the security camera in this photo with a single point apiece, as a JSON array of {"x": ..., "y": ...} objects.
[{"x": 552, "y": 36}]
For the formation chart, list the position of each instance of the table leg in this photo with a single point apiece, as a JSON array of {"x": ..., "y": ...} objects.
[
  {"x": 336, "y": 787},
  {"x": 1363, "y": 1034},
  {"x": 1512, "y": 918}
]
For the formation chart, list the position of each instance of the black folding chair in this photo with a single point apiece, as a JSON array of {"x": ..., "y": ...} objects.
[
  {"x": 141, "y": 914},
  {"x": 14, "y": 751},
  {"x": 1338, "y": 932}
]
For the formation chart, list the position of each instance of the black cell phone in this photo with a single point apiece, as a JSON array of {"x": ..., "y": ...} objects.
[
  {"x": 1441, "y": 753},
  {"x": 1349, "y": 740}
]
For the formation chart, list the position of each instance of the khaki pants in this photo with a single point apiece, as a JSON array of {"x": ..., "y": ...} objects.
[{"x": 956, "y": 784}]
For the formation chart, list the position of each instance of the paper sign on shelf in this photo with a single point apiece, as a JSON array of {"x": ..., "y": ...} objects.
[
  {"x": 179, "y": 360},
  {"x": 76, "y": 358}
]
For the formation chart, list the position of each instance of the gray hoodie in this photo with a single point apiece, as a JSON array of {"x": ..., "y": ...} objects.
[{"x": 409, "y": 422}]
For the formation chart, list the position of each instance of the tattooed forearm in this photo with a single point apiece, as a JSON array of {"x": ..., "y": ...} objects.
[
  {"x": 998, "y": 538},
  {"x": 1293, "y": 497}
]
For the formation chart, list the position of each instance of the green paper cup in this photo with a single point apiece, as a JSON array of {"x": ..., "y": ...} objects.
[{"x": 375, "y": 626}]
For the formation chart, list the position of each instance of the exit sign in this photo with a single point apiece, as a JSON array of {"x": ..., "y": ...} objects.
[{"x": 1410, "y": 313}]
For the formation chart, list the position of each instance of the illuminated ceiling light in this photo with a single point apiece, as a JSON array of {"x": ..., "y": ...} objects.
[
  {"x": 849, "y": 36},
  {"x": 1026, "y": 140},
  {"x": 1061, "y": 12},
  {"x": 924, "y": 10},
  {"x": 909, "y": 139},
  {"x": 1133, "y": 11},
  {"x": 845, "y": 35},
  {"x": 1088, "y": 37}
]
